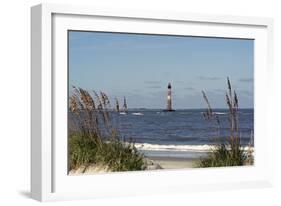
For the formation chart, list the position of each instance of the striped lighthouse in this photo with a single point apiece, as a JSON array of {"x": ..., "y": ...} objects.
[{"x": 169, "y": 99}]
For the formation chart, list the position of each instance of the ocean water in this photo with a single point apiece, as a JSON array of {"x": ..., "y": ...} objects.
[{"x": 183, "y": 133}]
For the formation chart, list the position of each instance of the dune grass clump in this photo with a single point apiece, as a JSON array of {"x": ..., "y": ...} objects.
[
  {"x": 82, "y": 150},
  {"x": 95, "y": 138},
  {"x": 114, "y": 154},
  {"x": 223, "y": 156},
  {"x": 229, "y": 151},
  {"x": 120, "y": 156}
]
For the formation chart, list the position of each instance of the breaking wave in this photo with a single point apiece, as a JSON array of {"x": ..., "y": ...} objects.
[
  {"x": 183, "y": 148},
  {"x": 179, "y": 148}
]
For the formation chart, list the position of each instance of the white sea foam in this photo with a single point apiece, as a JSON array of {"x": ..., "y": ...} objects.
[
  {"x": 220, "y": 113},
  {"x": 183, "y": 148},
  {"x": 137, "y": 113},
  {"x": 179, "y": 148}
]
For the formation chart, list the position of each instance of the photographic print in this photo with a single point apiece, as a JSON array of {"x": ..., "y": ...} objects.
[{"x": 142, "y": 102}]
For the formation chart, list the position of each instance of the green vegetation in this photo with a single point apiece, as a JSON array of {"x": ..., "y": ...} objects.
[
  {"x": 228, "y": 152},
  {"x": 223, "y": 156},
  {"x": 117, "y": 155},
  {"x": 95, "y": 138}
]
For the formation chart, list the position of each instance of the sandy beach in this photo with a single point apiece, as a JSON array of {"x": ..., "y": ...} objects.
[
  {"x": 174, "y": 162},
  {"x": 163, "y": 162}
]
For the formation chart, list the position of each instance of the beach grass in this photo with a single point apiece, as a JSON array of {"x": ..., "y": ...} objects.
[
  {"x": 95, "y": 138},
  {"x": 228, "y": 152},
  {"x": 115, "y": 154},
  {"x": 223, "y": 156}
]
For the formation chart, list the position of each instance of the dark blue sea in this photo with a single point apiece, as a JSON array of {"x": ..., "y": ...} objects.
[{"x": 183, "y": 133}]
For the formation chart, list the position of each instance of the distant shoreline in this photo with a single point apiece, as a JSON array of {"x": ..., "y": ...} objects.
[
  {"x": 177, "y": 109},
  {"x": 160, "y": 109}
]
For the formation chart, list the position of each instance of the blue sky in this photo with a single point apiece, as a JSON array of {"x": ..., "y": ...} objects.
[{"x": 140, "y": 66}]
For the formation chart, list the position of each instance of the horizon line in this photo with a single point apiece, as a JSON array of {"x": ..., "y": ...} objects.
[{"x": 188, "y": 108}]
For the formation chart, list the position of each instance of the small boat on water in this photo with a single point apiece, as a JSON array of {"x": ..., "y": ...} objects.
[
  {"x": 117, "y": 105},
  {"x": 137, "y": 113},
  {"x": 124, "y": 110}
]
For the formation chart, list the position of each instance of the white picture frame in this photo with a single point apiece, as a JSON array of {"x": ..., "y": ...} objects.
[{"x": 49, "y": 179}]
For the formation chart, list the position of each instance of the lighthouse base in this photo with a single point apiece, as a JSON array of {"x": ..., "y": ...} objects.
[{"x": 168, "y": 110}]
